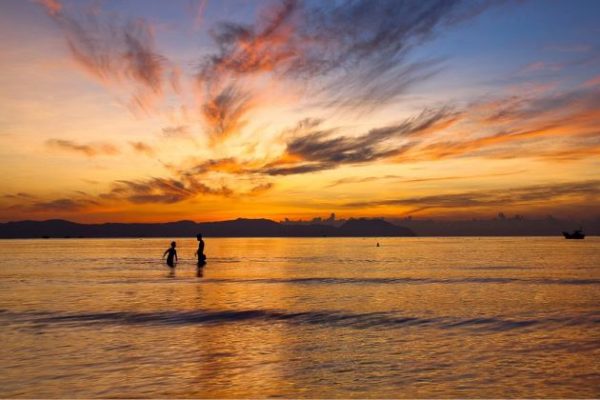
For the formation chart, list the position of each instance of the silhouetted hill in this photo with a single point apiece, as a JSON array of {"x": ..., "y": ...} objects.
[
  {"x": 234, "y": 228},
  {"x": 372, "y": 227},
  {"x": 501, "y": 227}
]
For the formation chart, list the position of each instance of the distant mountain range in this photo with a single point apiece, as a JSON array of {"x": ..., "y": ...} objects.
[
  {"x": 240, "y": 227},
  {"x": 501, "y": 227},
  {"x": 361, "y": 227}
]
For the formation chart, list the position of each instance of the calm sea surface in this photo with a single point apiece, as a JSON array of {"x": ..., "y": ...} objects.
[{"x": 311, "y": 317}]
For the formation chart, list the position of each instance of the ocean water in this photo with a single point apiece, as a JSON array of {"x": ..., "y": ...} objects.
[{"x": 302, "y": 318}]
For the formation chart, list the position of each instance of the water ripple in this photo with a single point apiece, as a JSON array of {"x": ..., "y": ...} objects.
[
  {"x": 321, "y": 318},
  {"x": 358, "y": 281}
]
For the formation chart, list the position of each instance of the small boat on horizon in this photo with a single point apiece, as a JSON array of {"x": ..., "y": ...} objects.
[{"x": 577, "y": 234}]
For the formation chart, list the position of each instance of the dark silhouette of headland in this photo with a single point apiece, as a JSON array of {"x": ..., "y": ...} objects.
[
  {"x": 499, "y": 225},
  {"x": 235, "y": 228}
]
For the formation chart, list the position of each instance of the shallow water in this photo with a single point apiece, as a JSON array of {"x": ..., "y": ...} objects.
[{"x": 310, "y": 317}]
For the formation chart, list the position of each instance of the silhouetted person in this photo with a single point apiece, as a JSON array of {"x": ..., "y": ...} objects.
[
  {"x": 172, "y": 254},
  {"x": 200, "y": 251}
]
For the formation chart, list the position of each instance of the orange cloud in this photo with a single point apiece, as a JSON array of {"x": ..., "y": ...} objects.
[
  {"x": 142, "y": 147},
  {"x": 576, "y": 192},
  {"x": 121, "y": 56},
  {"x": 53, "y": 7},
  {"x": 224, "y": 112}
]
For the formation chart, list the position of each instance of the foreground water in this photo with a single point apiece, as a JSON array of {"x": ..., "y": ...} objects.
[{"x": 416, "y": 317}]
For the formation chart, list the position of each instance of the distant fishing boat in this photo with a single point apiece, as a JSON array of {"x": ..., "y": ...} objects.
[{"x": 578, "y": 234}]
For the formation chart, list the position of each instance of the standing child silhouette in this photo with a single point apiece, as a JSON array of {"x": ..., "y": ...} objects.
[
  {"x": 172, "y": 254},
  {"x": 200, "y": 251}
]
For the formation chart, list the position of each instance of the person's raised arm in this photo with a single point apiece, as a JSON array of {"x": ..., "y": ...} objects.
[{"x": 165, "y": 253}]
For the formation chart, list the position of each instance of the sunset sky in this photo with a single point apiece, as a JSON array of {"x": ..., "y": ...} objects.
[{"x": 140, "y": 110}]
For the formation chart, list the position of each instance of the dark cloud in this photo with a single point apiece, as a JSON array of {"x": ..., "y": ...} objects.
[
  {"x": 228, "y": 165},
  {"x": 588, "y": 191},
  {"x": 297, "y": 169},
  {"x": 306, "y": 38},
  {"x": 162, "y": 190},
  {"x": 89, "y": 149},
  {"x": 310, "y": 149},
  {"x": 355, "y": 51},
  {"x": 321, "y": 149},
  {"x": 144, "y": 191}
]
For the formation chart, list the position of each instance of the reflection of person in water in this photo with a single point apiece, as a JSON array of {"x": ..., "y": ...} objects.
[
  {"x": 200, "y": 251},
  {"x": 172, "y": 254}
]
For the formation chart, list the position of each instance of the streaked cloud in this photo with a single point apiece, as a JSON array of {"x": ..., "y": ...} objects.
[
  {"x": 52, "y": 6},
  {"x": 120, "y": 54},
  {"x": 398, "y": 179},
  {"x": 585, "y": 191},
  {"x": 62, "y": 205},
  {"x": 356, "y": 52},
  {"x": 143, "y": 148},
  {"x": 323, "y": 149},
  {"x": 177, "y": 132},
  {"x": 387, "y": 94},
  {"x": 88, "y": 149}
]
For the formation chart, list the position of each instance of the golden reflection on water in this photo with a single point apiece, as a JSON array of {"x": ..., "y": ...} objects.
[{"x": 416, "y": 317}]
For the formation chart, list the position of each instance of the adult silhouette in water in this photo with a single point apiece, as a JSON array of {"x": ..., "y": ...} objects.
[
  {"x": 172, "y": 254},
  {"x": 200, "y": 251}
]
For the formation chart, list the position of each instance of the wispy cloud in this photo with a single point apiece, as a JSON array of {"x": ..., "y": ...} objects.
[
  {"x": 570, "y": 115},
  {"x": 53, "y": 7},
  {"x": 542, "y": 66},
  {"x": 143, "y": 148},
  {"x": 62, "y": 205},
  {"x": 356, "y": 50},
  {"x": 583, "y": 191},
  {"x": 224, "y": 111},
  {"x": 161, "y": 190},
  {"x": 321, "y": 150},
  {"x": 88, "y": 149},
  {"x": 19, "y": 195},
  {"x": 123, "y": 193},
  {"x": 351, "y": 180},
  {"x": 229, "y": 165},
  {"x": 595, "y": 81},
  {"x": 399, "y": 179},
  {"x": 119, "y": 54},
  {"x": 260, "y": 189},
  {"x": 177, "y": 132}
]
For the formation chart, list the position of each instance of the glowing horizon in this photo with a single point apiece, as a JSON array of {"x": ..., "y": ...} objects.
[{"x": 151, "y": 111}]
